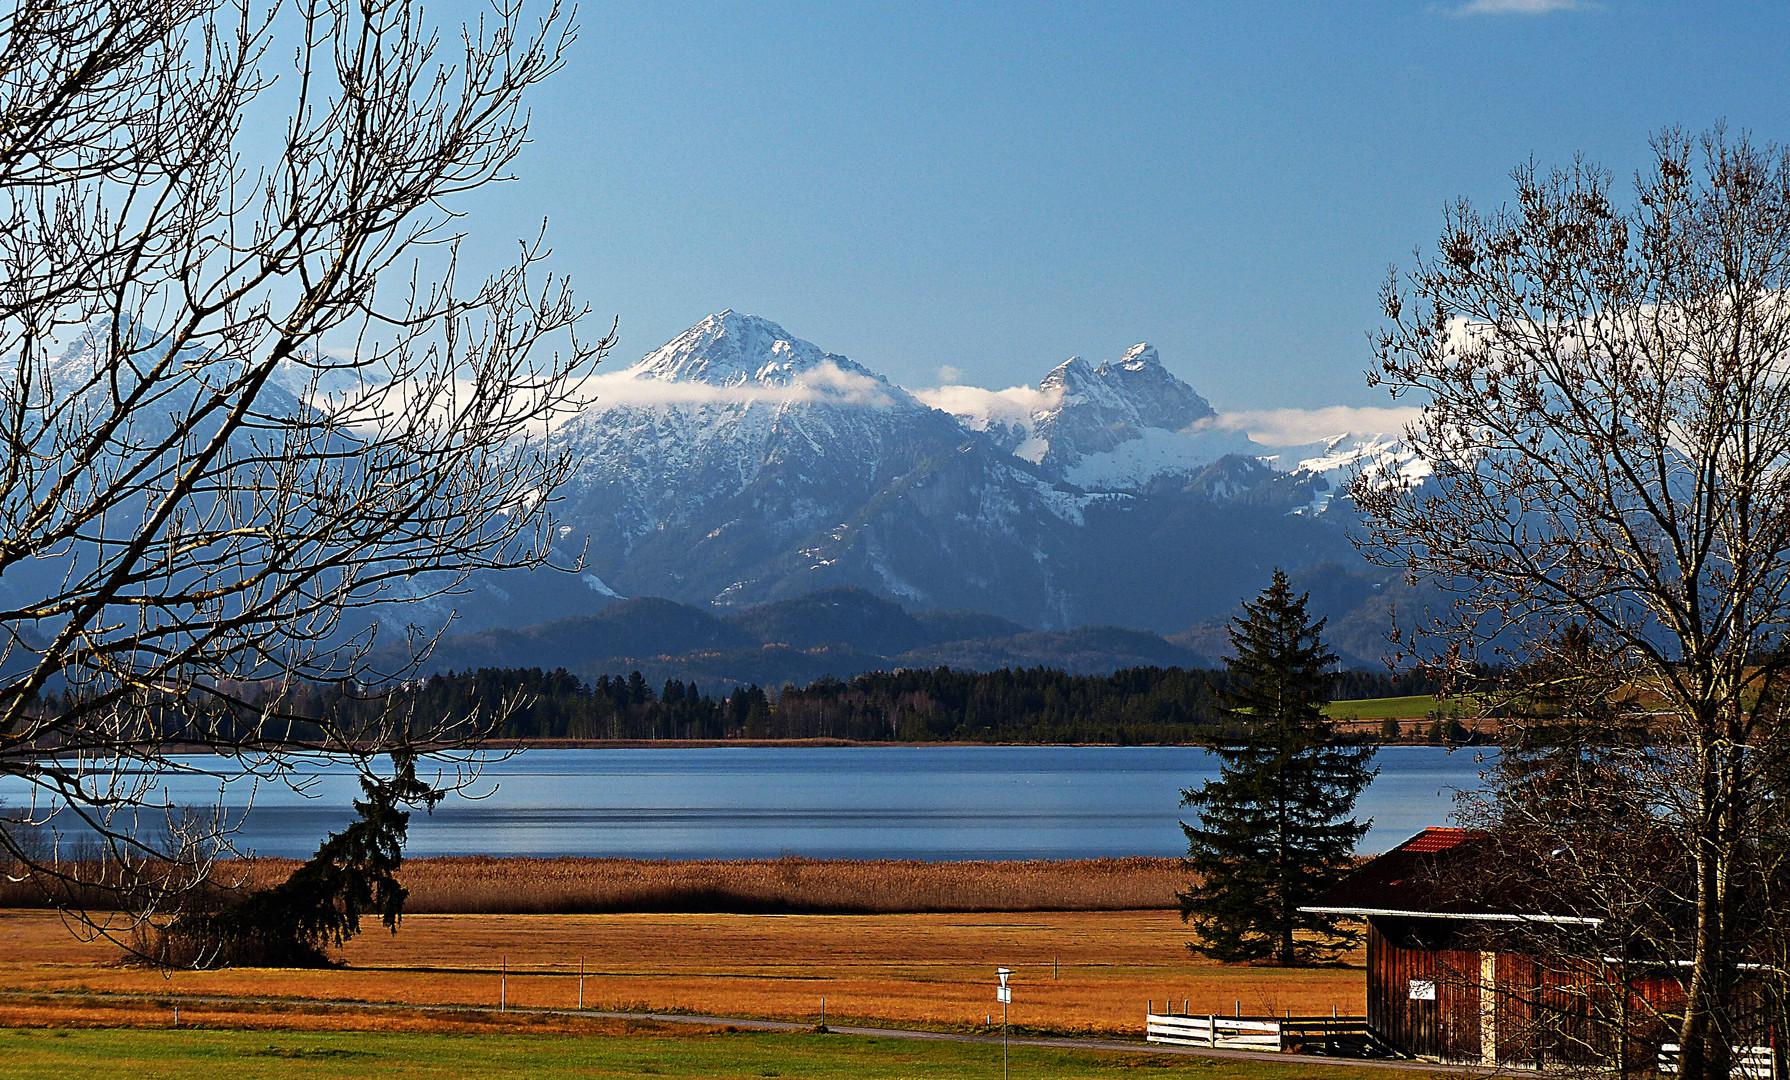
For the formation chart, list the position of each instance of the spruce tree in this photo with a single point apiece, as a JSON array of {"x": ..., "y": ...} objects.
[
  {"x": 353, "y": 873},
  {"x": 1274, "y": 828}
]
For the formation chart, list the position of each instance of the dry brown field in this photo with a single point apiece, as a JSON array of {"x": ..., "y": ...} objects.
[
  {"x": 925, "y": 969},
  {"x": 790, "y": 885}
]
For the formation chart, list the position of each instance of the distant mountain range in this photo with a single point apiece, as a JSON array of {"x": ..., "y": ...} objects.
[
  {"x": 780, "y": 512},
  {"x": 739, "y": 465},
  {"x": 840, "y": 632}
]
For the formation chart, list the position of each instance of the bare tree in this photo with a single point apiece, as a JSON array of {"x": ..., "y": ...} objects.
[
  {"x": 247, "y": 402},
  {"x": 1606, "y": 411}
]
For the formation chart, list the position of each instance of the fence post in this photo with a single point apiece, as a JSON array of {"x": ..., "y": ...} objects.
[{"x": 1212, "y": 1030}]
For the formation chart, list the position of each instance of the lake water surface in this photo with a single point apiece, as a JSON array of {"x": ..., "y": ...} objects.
[{"x": 957, "y": 802}]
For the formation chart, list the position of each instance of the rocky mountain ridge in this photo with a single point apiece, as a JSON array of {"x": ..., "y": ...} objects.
[
  {"x": 739, "y": 467},
  {"x": 739, "y": 464}
]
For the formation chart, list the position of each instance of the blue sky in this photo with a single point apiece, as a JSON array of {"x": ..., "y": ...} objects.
[{"x": 992, "y": 187}]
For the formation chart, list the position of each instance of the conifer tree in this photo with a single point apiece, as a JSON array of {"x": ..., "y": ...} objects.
[
  {"x": 291, "y": 924},
  {"x": 1274, "y": 827}
]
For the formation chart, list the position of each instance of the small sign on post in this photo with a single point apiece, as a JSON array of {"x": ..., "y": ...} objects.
[{"x": 1004, "y": 995}]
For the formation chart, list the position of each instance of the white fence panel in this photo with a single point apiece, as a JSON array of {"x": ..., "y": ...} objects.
[
  {"x": 1222, "y": 1032},
  {"x": 1751, "y": 1062}
]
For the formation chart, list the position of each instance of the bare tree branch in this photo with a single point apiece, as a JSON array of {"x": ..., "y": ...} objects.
[{"x": 281, "y": 411}]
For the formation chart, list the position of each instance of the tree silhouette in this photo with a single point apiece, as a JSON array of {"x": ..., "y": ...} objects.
[{"x": 1274, "y": 829}]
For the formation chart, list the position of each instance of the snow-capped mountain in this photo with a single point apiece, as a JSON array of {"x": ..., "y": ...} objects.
[
  {"x": 738, "y": 463},
  {"x": 1114, "y": 427}
]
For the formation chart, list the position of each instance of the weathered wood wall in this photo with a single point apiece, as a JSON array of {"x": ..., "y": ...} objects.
[
  {"x": 1447, "y": 1028},
  {"x": 1538, "y": 1014}
]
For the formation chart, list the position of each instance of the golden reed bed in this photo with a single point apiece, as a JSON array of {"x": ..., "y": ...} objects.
[{"x": 790, "y": 885}]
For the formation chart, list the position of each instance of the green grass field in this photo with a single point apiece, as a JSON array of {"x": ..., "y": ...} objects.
[
  {"x": 151, "y": 1054},
  {"x": 1398, "y": 708}
]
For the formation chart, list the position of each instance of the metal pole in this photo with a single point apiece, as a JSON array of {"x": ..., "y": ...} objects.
[
  {"x": 503, "y": 984},
  {"x": 581, "y": 982},
  {"x": 1003, "y": 1040}
]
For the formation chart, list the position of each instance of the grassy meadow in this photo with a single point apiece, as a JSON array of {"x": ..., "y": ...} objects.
[
  {"x": 250, "y": 1055},
  {"x": 1414, "y": 707},
  {"x": 788, "y": 885}
]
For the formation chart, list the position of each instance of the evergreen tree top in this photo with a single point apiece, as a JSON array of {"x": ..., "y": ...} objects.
[{"x": 1282, "y": 671}]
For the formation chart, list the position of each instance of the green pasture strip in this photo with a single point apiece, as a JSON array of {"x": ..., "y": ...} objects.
[
  {"x": 153, "y": 1054},
  {"x": 1415, "y": 707}
]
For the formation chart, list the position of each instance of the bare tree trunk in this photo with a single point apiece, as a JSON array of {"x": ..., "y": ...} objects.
[
  {"x": 249, "y": 406},
  {"x": 1608, "y": 424}
]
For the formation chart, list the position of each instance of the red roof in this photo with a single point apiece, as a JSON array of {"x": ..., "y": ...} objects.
[
  {"x": 1436, "y": 839},
  {"x": 1451, "y": 873},
  {"x": 1408, "y": 877}
]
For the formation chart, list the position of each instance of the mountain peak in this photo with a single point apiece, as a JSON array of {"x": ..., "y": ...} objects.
[
  {"x": 1097, "y": 410},
  {"x": 730, "y": 349},
  {"x": 1135, "y": 385},
  {"x": 1069, "y": 376},
  {"x": 1138, "y": 357}
]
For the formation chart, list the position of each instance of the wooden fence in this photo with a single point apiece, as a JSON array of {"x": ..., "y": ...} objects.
[
  {"x": 1752, "y": 1062},
  {"x": 1334, "y": 1035}
]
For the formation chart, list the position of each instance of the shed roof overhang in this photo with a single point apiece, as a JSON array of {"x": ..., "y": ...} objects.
[
  {"x": 1470, "y": 916},
  {"x": 1433, "y": 876}
]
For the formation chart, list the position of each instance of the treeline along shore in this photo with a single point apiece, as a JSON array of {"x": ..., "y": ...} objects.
[{"x": 1147, "y": 705}]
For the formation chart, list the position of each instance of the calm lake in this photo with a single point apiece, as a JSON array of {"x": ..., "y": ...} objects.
[{"x": 959, "y": 802}]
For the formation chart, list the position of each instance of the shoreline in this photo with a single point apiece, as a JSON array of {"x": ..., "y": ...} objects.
[
  {"x": 799, "y": 744},
  {"x": 518, "y": 745}
]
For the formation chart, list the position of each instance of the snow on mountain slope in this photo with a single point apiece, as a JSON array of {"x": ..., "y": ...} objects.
[
  {"x": 1156, "y": 452},
  {"x": 1382, "y": 458},
  {"x": 1115, "y": 427},
  {"x": 729, "y": 349},
  {"x": 719, "y": 408},
  {"x": 738, "y": 464}
]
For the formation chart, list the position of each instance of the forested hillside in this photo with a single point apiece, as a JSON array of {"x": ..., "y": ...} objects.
[{"x": 1029, "y": 705}]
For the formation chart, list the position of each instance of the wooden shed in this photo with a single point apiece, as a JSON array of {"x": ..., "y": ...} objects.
[{"x": 1444, "y": 985}]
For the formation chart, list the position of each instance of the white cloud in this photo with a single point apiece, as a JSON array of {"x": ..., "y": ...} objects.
[
  {"x": 982, "y": 407},
  {"x": 1521, "y": 7},
  {"x": 824, "y": 382},
  {"x": 1296, "y": 427},
  {"x": 949, "y": 374}
]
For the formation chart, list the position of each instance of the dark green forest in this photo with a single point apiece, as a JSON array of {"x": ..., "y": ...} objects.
[{"x": 1029, "y": 705}]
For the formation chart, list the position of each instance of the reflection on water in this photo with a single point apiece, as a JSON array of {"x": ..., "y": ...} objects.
[{"x": 959, "y": 802}]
